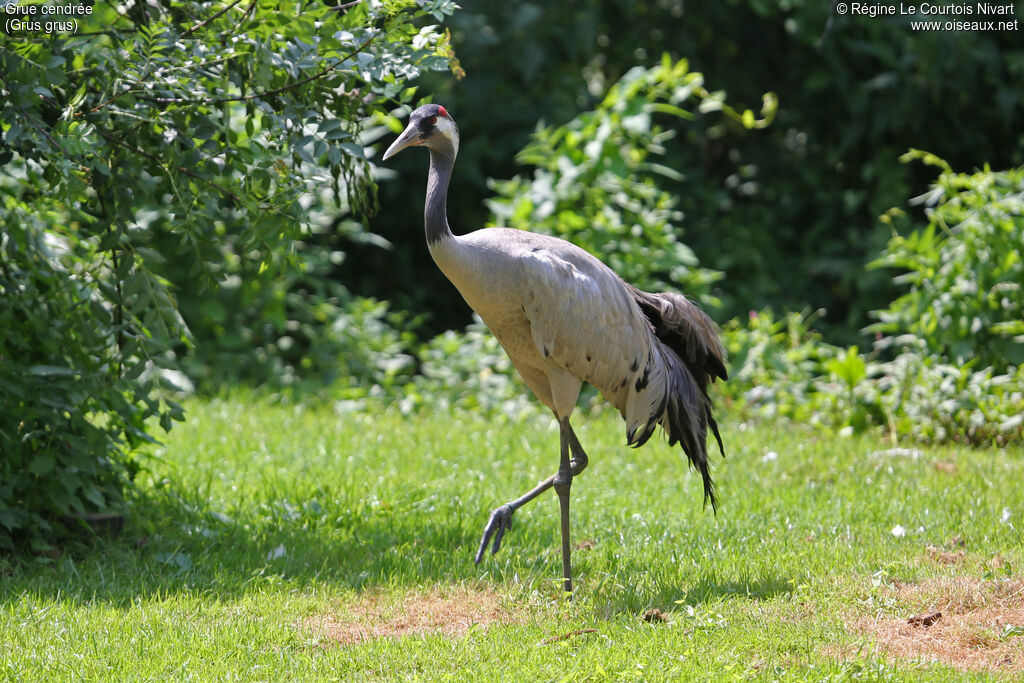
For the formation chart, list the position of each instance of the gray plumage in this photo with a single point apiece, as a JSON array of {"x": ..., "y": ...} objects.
[{"x": 565, "y": 318}]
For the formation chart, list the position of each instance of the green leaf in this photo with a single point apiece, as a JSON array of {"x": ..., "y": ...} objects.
[
  {"x": 10, "y": 519},
  {"x": 41, "y": 465},
  {"x": 94, "y": 496}
]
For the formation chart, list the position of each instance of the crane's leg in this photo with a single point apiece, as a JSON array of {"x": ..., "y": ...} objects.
[
  {"x": 501, "y": 518},
  {"x": 562, "y": 485}
]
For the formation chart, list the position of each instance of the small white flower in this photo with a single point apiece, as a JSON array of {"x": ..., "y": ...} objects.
[
  {"x": 898, "y": 531},
  {"x": 769, "y": 456},
  {"x": 277, "y": 553},
  {"x": 911, "y": 453},
  {"x": 1005, "y": 517}
]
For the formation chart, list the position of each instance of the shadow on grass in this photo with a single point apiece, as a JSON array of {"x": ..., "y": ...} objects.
[
  {"x": 668, "y": 595},
  {"x": 426, "y": 536},
  {"x": 709, "y": 589},
  {"x": 172, "y": 545}
]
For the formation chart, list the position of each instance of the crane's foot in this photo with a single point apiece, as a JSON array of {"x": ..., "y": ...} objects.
[
  {"x": 501, "y": 518},
  {"x": 497, "y": 525}
]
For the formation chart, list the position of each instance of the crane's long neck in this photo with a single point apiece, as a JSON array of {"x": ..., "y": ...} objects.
[{"x": 435, "y": 213}]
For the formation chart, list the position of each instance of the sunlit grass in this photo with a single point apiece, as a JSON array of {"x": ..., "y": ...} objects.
[{"x": 258, "y": 520}]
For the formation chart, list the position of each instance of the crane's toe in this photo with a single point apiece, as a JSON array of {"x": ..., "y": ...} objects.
[{"x": 497, "y": 525}]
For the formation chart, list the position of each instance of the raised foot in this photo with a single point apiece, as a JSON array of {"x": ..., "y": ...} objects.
[{"x": 497, "y": 525}]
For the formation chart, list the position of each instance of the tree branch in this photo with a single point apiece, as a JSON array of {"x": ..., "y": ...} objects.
[
  {"x": 201, "y": 24},
  {"x": 180, "y": 169},
  {"x": 345, "y": 6},
  {"x": 263, "y": 93},
  {"x": 246, "y": 13}
]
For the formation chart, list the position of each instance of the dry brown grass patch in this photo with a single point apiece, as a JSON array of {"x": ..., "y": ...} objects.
[
  {"x": 975, "y": 631},
  {"x": 942, "y": 557},
  {"x": 449, "y": 611}
]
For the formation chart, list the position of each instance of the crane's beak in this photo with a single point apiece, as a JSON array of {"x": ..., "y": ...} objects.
[{"x": 409, "y": 137}]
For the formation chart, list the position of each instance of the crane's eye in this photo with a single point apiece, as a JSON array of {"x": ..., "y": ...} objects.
[{"x": 432, "y": 120}]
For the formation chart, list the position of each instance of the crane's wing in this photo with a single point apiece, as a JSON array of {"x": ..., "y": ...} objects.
[
  {"x": 650, "y": 355},
  {"x": 584, "y": 319}
]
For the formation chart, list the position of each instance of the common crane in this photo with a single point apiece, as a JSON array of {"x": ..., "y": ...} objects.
[{"x": 565, "y": 318}]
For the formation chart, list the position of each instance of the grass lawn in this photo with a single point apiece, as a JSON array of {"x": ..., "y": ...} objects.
[{"x": 296, "y": 543}]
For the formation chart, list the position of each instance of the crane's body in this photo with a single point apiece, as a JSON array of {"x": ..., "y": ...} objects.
[{"x": 565, "y": 318}]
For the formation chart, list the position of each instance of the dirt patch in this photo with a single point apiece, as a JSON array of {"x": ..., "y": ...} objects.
[
  {"x": 980, "y": 627},
  {"x": 942, "y": 557},
  {"x": 654, "y": 616},
  {"x": 924, "y": 620},
  {"x": 448, "y": 611}
]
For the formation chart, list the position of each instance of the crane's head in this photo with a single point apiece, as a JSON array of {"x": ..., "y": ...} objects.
[{"x": 431, "y": 126}]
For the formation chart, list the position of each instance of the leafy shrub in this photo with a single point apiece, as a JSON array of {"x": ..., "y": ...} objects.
[
  {"x": 469, "y": 370},
  {"x": 283, "y": 321},
  {"x": 964, "y": 269},
  {"x": 154, "y": 151},
  {"x": 928, "y": 400},
  {"x": 76, "y": 380},
  {"x": 377, "y": 348},
  {"x": 950, "y": 369},
  {"x": 773, "y": 364},
  {"x": 782, "y": 369}
]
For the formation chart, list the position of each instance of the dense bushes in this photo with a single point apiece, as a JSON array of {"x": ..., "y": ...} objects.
[
  {"x": 156, "y": 153},
  {"x": 965, "y": 269},
  {"x": 282, "y": 320},
  {"x": 948, "y": 362},
  {"x": 781, "y": 369},
  {"x": 788, "y": 213},
  {"x": 600, "y": 180},
  {"x": 76, "y": 380}
]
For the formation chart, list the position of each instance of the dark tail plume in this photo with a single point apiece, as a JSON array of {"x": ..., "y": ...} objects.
[{"x": 694, "y": 357}]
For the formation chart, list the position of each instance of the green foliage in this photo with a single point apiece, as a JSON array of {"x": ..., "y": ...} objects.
[
  {"x": 964, "y": 270},
  {"x": 462, "y": 370},
  {"x": 468, "y": 370},
  {"x": 596, "y": 179},
  {"x": 298, "y": 329},
  {"x": 155, "y": 150},
  {"x": 929, "y": 400},
  {"x": 788, "y": 213},
  {"x": 957, "y": 373},
  {"x": 780, "y": 368},
  {"x": 378, "y": 346},
  {"x": 774, "y": 364},
  {"x": 77, "y": 380}
]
